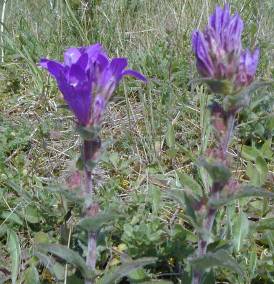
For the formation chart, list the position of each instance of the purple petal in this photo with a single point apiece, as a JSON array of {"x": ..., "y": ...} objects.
[
  {"x": 200, "y": 47},
  {"x": 83, "y": 61},
  {"x": 78, "y": 100},
  {"x": 102, "y": 62},
  {"x": 77, "y": 76},
  {"x": 225, "y": 16},
  {"x": 215, "y": 20},
  {"x": 94, "y": 50},
  {"x": 99, "y": 106},
  {"x": 233, "y": 35},
  {"x": 247, "y": 67},
  {"x": 71, "y": 56},
  {"x": 117, "y": 65},
  {"x": 251, "y": 61},
  {"x": 134, "y": 74},
  {"x": 55, "y": 68}
]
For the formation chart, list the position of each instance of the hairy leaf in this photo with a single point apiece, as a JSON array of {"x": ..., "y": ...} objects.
[
  {"x": 14, "y": 251},
  {"x": 117, "y": 273},
  {"x": 245, "y": 191},
  {"x": 218, "y": 258},
  {"x": 93, "y": 224},
  {"x": 69, "y": 256}
]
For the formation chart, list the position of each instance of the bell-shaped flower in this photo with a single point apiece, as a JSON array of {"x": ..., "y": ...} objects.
[
  {"x": 87, "y": 78},
  {"x": 106, "y": 75}
]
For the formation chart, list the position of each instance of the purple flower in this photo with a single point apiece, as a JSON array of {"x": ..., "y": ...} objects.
[
  {"x": 247, "y": 67},
  {"x": 87, "y": 78},
  {"x": 218, "y": 50}
]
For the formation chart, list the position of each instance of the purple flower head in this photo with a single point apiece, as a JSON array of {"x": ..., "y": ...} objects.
[
  {"x": 87, "y": 78},
  {"x": 218, "y": 49},
  {"x": 106, "y": 76},
  {"x": 247, "y": 67}
]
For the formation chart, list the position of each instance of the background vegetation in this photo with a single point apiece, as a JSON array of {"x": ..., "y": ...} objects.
[{"x": 153, "y": 137}]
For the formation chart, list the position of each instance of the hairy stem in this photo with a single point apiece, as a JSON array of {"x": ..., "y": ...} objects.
[
  {"x": 214, "y": 192},
  {"x": 229, "y": 133},
  {"x": 90, "y": 151}
]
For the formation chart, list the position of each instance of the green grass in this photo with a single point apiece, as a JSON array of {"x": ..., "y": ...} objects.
[{"x": 151, "y": 134}]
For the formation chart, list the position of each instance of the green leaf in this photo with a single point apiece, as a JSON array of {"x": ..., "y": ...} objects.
[
  {"x": 250, "y": 153},
  {"x": 3, "y": 230},
  {"x": 240, "y": 230},
  {"x": 223, "y": 87},
  {"x": 69, "y": 256},
  {"x": 32, "y": 215},
  {"x": 170, "y": 136},
  {"x": 41, "y": 238},
  {"x": 261, "y": 166},
  {"x": 245, "y": 191},
  {"x": 71, "y": 195},
  {"x": 256, "y": 85},
  {"x": 157, "y": 282},
  {"x": 217, "y": 171},
  {"x": 176, "y": 195},
  {"x": 31, "y": 275},
  {"x": 117, "y": 273},
  {"x": 185, "y": 200},
  {"x": 218, "y": 258},
  {"x": 11, "y": 217},
  {"x": 258, "y": 172},
  {"x": 217, "y": 86},
  {"x": 80, "y": 165},
  {"x": 88, "y": 133},
  {"x": 155, "y": 193},
  {"x": 73, "y": 279},
  {"x": 55, "y": 268},
  {"x": 93, "y": 224},
  {"x": 266, "y": 149},
  {"x": 91, "y": 164},
  {"x": 265, "y": 224},
  {"x": 188, "y": 182},
  {"x": 13, "y": 246},
  {"x": 253, "y": 174}
]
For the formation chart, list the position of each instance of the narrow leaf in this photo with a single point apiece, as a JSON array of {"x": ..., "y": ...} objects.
[
  {"x": 217, "y": 171},
  {"x": 240, "y": 230},
  {"x": 170, "y": 136},
  {"x": 14, "y": 250},
  {"x": 93, "y": 224},
  {"x": 123, "y": 270},
  {"x": 265, "y": 224},
  {"x": 157, "y": 282},
  {"x": 246, "y": 191},
  {"x": 31, "y": 276},
  {"x": 186, "y": 201},
  {"x": 69, "y": 256},
  {"x": 258, "y": 84},
  {"x": 51, "y": 264},
  {"x": 250, "y": 153},
  {"x": 188, "y": 182},
  {"x": 218, "y": 258},
  {"x": 261, "y": 166}
]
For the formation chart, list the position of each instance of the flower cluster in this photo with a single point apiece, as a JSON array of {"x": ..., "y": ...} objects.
[
  {"x": 87, "y": 78},
  {"x": 218, "y": 50}
]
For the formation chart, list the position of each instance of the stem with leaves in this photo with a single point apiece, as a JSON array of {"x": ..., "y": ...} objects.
[
  {"x": 225, "y": 133},
  {"x": 91, "y": 150}
]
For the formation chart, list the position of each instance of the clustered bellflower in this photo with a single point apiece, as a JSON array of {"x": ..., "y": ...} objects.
[
  {"x": 219, "y": 53},
  {"x": 87, "y": 79}
]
